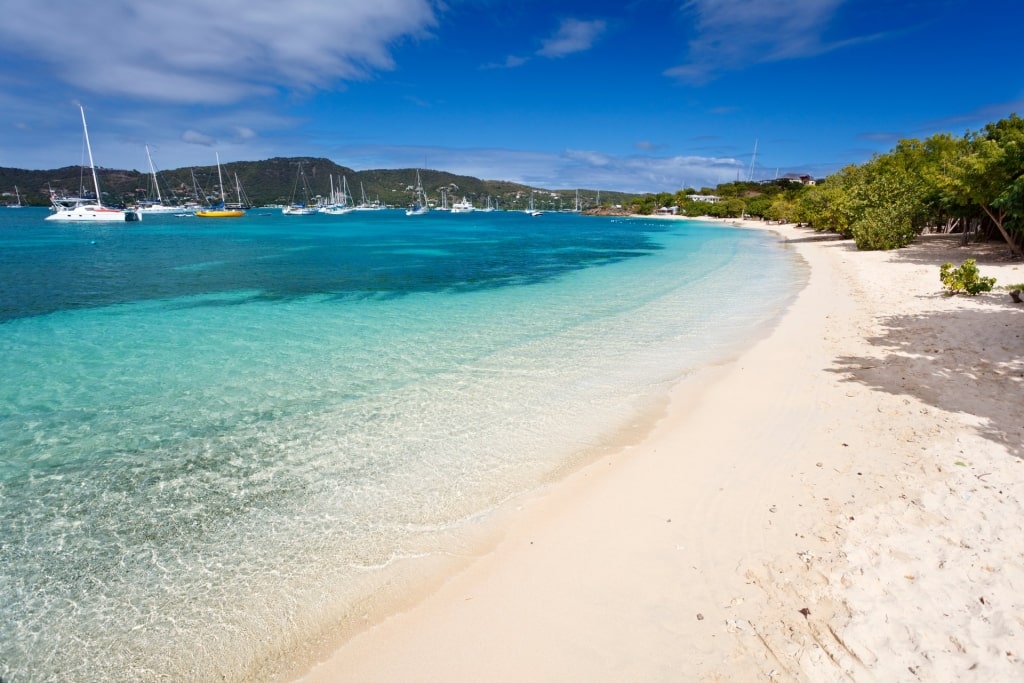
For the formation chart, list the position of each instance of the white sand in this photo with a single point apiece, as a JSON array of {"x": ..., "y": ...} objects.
[{"x": 843, "y": 502}]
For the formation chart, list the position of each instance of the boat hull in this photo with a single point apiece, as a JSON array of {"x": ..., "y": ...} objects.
[
  {"x": 220, "y": 213},
  {"x": 95, "y": 214}
]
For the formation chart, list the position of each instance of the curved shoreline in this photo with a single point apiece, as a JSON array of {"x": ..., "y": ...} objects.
[{"x": 819, "y": 508}]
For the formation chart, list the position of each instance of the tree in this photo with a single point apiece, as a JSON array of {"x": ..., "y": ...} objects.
[
  {"x": 989, "y": 173},
  {"x": 889, "y": 209},
  {"x": 831, "y": 205},
  {"x": 781, "y": 209}
]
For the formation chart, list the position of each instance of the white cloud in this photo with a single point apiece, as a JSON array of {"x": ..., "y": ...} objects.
[
  {"x": 573, "y": 35},
  {"x": 734, "y": 33},
  {"x": 196, "y": 138},
  {"x": 194, "y": 51}
]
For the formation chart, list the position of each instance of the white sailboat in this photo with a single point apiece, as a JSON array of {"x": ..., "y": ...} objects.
[
  {"x": 297, "y": 208},
  {"x": 364, "y": 205},
  {"x": 532, "y": 211},
  {"x": 338, "y": 203},
  {"x": 79, "y": 208},
  {"x": 17, "y": 196},
  {"x": 419, "y": 206},
  {"x": 157, "y": 205},
  {"x": 243, "y": 202},
  {"x": 489, "y": 207}
]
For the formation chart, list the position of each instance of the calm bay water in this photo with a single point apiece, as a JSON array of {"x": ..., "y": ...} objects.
[{"x": 216, "y": 436}]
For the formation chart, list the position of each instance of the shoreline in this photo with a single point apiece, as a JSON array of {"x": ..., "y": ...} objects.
[{"x": 819, "y": 508}]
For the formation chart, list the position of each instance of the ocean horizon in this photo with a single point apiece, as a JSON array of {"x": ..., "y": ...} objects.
[{"x": 224, "y": 440}]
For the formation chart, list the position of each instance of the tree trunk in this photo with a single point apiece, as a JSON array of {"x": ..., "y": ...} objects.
[{"x": 1014, "y": 247}]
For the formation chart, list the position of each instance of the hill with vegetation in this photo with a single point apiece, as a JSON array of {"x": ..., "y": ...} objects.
[{"x": 276, "y": 181}]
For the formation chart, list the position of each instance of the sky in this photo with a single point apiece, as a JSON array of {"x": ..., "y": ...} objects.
[{"x": 635, "y": 96}]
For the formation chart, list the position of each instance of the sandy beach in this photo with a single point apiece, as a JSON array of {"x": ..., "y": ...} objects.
[{"x": 843, "y": 501}]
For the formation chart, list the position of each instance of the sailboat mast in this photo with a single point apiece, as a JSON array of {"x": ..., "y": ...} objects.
[
  {"x": 220, "y": 179},
  {"x": 753, "y": 158},
  {"x": 88, "y": 147},
  {"x": 152, "y": 171}
]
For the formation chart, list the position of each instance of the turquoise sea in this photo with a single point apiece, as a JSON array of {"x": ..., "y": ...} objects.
[{"x": 222, "y": 440}]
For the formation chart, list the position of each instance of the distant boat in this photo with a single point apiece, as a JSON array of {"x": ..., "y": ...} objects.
[
  {"x": 18, "y": 198},
  {"x": 157, "y": 205},
  {"x": 364, "y": 205},
  {"x": 220, "y": 210},
  {"x": 80, "y": 208},
  {"x": 532, "y": 211},
  {"x": 338, "y": 203},
  {"x": 243, "y": 202},
  {"x": 465, "y": 206},
  {"x": 419, "y": 205},
  {"x": 297, "y": 208},
  {"x": 490, "y": 205}
]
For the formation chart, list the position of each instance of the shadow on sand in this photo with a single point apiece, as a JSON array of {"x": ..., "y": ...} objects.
[{"x": 966, "y": 361}]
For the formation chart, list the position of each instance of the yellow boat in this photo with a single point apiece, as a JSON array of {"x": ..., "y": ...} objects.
[
  {"x": 220, "y": 211},
  {"x": 217, "y": 212}
]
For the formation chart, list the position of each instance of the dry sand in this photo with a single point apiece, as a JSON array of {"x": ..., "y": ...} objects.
[{"x": 845, "y": 501}]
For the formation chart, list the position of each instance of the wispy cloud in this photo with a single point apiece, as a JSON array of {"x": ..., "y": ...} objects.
[
  {"x": 648, "y": 146},
  {"x": 574, "y": 35},
  {"x": 194, "y": 51},
  {"x": 729, "y": 34},
  {"x": 975, "y": 118},
  {"x": 511, "y": 62},
  {"x": 567, "y": 169},
  {"x": 193, "y": 137}
]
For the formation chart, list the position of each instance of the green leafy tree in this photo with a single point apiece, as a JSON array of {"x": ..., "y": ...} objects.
[
  {"x": 889, "y": 209},
  {"x": 989, "y": 173},
  {"x": 831, "y": 205},
  {"x": 782, "y": 209},
  {"x": 759, "y": 205}
]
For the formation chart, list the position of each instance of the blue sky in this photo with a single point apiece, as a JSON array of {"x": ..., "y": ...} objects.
[{"x": 642, "y": 96}]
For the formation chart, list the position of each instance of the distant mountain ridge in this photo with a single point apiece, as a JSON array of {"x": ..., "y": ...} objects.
[{"x": 273, "y": 181}]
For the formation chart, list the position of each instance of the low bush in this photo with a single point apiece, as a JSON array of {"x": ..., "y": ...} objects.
[{"x": 964, "y": 279}]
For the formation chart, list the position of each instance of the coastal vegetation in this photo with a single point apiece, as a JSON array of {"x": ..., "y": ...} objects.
[{"x": 973, "y": 185}]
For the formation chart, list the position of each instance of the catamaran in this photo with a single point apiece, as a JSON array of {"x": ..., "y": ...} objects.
[{"x": 79, "y": 208}]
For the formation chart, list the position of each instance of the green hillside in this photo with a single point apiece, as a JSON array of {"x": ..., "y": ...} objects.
[{"x": 273, "y": 181}]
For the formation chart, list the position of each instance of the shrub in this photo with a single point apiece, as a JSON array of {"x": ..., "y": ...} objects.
[
  {"x": 964, "y": 279},
  {"x": 882, "y": 228}
]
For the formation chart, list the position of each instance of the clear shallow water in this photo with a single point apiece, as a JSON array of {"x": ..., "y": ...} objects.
[{"x": 214, "y": 436}]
